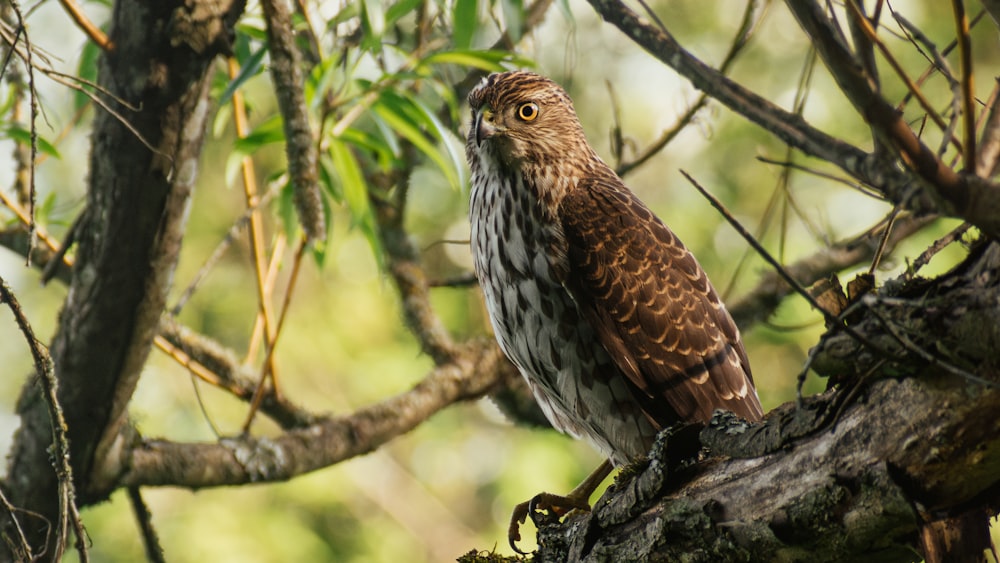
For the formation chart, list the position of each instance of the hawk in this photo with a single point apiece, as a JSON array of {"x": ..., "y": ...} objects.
[{"x": 609, "y": 318}]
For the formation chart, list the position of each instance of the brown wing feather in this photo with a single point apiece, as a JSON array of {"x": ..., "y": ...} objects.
[{"x": 653, "y": 307}]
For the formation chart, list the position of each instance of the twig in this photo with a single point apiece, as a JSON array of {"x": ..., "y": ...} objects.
[
  {"x": 751, "y": 17},
  {"x": 760, "y": 301},
  {"x": 289, "y": 291},
  {"x": 474, "y": 370},
  {"x": 256, "y": 228},
  {"x": 23, "y": 549},
  {"x": 934, "y": 248},
  {"x": 914, "y": 34},
  {"x": 92, "y": 31},
  {"x": 150, "y": 540},
  {"x": 989, "y": 145},
  {"x": 870, "y": 300},
  {"x": 883, "y": 241},
  {"x": 860, "y": 188},
  {"x": 835, "y": 322},
  {"x": 27, "y": 53},
  {"x": 299, "y": 142},
  {"x": 220, "y": 250},
  {"x": 865, "y": 26},
  {"x": 968, "y": 89},
  {"x": 69, "y": 514}
]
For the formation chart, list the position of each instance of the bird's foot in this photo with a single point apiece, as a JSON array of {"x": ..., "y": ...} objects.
[{"x": 543, "y": 508}]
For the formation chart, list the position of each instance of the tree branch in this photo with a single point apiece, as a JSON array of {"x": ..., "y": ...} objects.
[
  {"x": 798, "y": 489},
  {"x": 475, "y": 370},
  {"x": 128, "y": 244},
  {"x": 969, "y": 198}
]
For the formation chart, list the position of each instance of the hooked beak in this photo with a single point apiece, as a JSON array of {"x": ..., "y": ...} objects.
[{"x": 484, "y": 125}]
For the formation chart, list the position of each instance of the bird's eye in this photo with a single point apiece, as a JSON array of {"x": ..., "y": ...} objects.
[{"x": 527, "y": 111}]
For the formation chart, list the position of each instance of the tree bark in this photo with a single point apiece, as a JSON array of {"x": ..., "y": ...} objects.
[
  {"x": 904, "y": 447},
  {"x": 143, "y": 165}
]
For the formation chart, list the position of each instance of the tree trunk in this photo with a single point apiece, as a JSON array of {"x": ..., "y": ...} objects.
[{"x": 143, "y": 165}]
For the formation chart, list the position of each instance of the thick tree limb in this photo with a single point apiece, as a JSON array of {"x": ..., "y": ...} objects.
[
  {"x": 128, "y": 243},
  {"x": 810, "y": 491},
  {"x": 475, "y": 370},
  {"x": 852, "y": 475}
]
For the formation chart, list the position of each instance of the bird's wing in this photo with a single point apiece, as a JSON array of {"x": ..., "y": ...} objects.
[{"x": 653, "y": 307}]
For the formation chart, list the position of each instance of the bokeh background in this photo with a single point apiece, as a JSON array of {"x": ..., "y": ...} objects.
[{"x": 448, "y": 486}]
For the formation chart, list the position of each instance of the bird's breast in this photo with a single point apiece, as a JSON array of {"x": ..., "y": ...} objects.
[{"x": 520, "y": 264}]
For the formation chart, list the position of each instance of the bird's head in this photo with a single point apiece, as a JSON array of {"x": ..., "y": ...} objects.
[{"x": 524, "y": 119}]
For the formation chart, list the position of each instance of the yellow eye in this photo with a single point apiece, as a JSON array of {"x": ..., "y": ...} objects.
[{"x": 527, "y": 111}]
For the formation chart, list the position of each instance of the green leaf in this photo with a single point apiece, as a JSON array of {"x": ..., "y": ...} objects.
[
  {"x": 464, "y": 20},
  {"x": 372, "y": 25},
  {"x": 21, "y": 135},
  {"x": 406, "y": 119},
  {"x": 321, "y": 79},
  {"x": 86, "y": 69},
  {"x": 268, "y": 132},
  {"x": 400, "y": 9},
  {"x": 349, "y": 12},
  {"x": 488, "y": 60},
  {"x": 456, "y": 172},
  {"x": 355, "y": 191},
  {"x": 250, "y": 68}
]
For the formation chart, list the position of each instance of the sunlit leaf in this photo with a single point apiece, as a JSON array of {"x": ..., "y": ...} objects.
[
  {"x": 372, "y": 24},
  {"x": 400, "y": 9},
  {"x": 346, "y": 14},
  {"x": 321, "y": 79},
  {"x": 456, "y": 172},
  {"x": 21, "y": 135},
  {"x": 355, "y": 191},
  {"x": 87, "y": 70},
  {"x": 464, "y": 22},
  {"x": 251, "y": 67},
  {"x": 488, "y": 60},
  {"x": 403, "y": 115},
  {"x": 252, "y": 28},
  {"x": 268, "y": 132}
]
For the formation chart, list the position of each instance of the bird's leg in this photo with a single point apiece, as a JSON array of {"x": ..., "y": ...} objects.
[{"x": 558, "y": 505}]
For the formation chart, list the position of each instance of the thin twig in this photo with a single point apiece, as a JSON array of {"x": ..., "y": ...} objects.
[
  {"x": 220, "y": 250},
  {"x": 865, "y": 26},
  {"x": 751, "y": 18},
  {"x": 934, "y": 248},
  {"x": 83, "y": 22},
  {"x": 69, "y": 514},
  {"x": 289, "y": 291},
  {"x": 28, "y": 55},
  {"x": 256, "y": 228},
  {"x": 150, "y": 539},
  {"x": 968, "y": 88},
  {"x": 870, "y": 300},
  {"x": 23, "y": 549}
]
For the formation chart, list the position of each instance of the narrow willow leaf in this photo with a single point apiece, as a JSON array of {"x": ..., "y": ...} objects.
[
  {"x": 464, "y": 23},
  {"x": 250, "y": 67},
  {"x": 22, "y": 135}
]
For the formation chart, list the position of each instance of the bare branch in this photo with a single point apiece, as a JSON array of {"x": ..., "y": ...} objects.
[
  {"x": 475, "y": 370},
  {"x": 299, "y": 142},
  {"x": 761, "y": 301}
]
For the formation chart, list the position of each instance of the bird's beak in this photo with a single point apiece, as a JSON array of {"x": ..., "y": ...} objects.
[{"x": 484, "y": 125}]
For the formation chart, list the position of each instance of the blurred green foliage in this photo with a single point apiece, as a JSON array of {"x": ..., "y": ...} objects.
[{"x": 380, "y": 84}]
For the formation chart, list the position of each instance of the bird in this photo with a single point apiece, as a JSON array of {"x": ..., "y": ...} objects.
[{"x": 606, "y": 314}]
